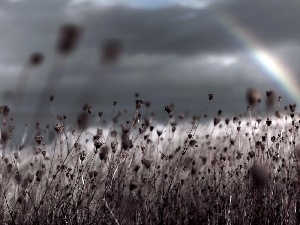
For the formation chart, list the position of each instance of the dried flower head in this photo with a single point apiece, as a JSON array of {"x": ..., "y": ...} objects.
[
  {"x": 36, "y": 59},
  {"x": 268, "y": 122},
  {"x": 133, "y": 185},
  {"x": 252, "y": 96},
  {"x": 4, "y": 136},
  {"x": 58, "y": 128},
  {"x": 114, "y": 146},
  {"x": 39, "y": 138},
  {"x": 138, "y": 104},
  {"x": 68, "y": 38},
  {"x": 111, "y": 50},
  {"x": 147, "y": 163},
  {"x": 98, "y": 144},
  {"x": 271, "y": 98},
  {"x": 103, "y": 154},
  {"x": 159, "y": 132},
  {"x": 292, "y": 107},
  {"x": 216, "y": 120},
  {"x": 169, "y": 108},
  {"x": 278, "y": 114},
  {"x": 5, "y": 110},
  {"x": 269, "y": 93},
  {"x": 227, "y": 121}
]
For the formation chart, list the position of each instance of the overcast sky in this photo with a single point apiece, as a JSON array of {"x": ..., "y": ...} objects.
[{"x": 174, "y": 51}]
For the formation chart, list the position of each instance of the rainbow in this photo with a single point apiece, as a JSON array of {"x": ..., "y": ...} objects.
[{"x": 272, "y": 66}]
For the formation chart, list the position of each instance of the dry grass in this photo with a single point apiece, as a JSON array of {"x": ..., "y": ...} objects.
[{"x": 237, "y": 171}]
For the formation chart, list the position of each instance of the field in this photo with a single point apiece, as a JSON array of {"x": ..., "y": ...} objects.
[{"x": 239, "y": 170}]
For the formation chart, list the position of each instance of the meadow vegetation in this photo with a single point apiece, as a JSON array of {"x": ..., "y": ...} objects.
[{"x": 229, "y": 171}]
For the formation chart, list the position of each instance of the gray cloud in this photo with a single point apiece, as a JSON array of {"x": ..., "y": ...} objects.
[{"x": 171, "y": 54}]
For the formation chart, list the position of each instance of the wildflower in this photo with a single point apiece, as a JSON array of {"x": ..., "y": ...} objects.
[
  {"x": 9, "y": 168},
  {"x": 239, "y": 155},
  {"x": 147, "y": 163},
  {"x": 103, "y": 154},
  {"x": 192, "y": 142},
  {"x": 39, "y": 138},
  {"x": 216, "y": 120},
  {"x": 252, "y": 96},
  {"x": 271, "y": 98},
  {"x": 39, "y": 175},
  {"x": 173, "y": 129},
  {"x": 132, "y": 185},
  {"x": 126, "y": 142},
  {"x": 227, "y": 121},
  {"x": 114, "y": 146},
  {"x": 68, "y": 38},
  {"x": 159, "y": 132},
  {"x": 111, "y": 50},
  {"x": 142, "y": 129},
  {"x": 113, "y": 133},
  {"x": 98, "y": 144},
  {"x": 36, "y": 59},
  {"x": 18, "y": 178},
  {"x": 269, "y": 93},
  {"x": 169, "y": 108},
  {"x": 82, "y": 156},
  {"x": 292, "y": 107},
  {"x": 4, "y": 135},
  {"x": 278, "y": 114},
  {"x": 251, "y": 154},
  {"x": 5, "y": 110},
  {"x": 58, "y": 128},
  {"x": 268, "y": 122},
  {"x": 235, "y": 119},
  {"x": 273, "y": 138},
  {"x": 20, "y": 199},
  {"x": 138, "y": 104},
  {"x": 51, "y": 98}
]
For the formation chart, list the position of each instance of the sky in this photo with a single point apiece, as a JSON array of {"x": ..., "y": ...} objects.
[{"x": 174, "y": 51}]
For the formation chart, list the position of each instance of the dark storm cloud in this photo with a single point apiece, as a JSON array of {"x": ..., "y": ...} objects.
[
  {"x": 32, "y": 24},
  {"x": 173, "y": 54},
  {"x": 185, "y": 31}
]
